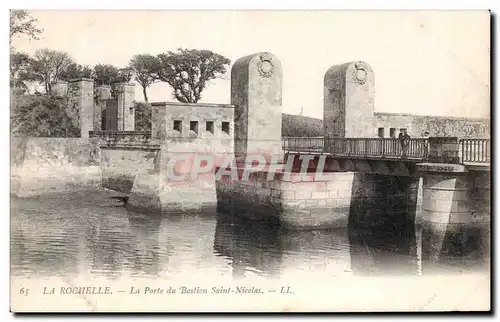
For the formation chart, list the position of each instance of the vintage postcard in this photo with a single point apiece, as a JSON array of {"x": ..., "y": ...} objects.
[{"x": 250, "y": 161}]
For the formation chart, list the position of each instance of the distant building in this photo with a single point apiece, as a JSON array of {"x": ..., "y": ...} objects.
[{"x": 388, "y": 125}]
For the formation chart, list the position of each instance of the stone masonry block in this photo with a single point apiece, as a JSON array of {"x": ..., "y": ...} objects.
[
  {"x": 319, "y": 195},
  {"x": 301, "y": 194}
]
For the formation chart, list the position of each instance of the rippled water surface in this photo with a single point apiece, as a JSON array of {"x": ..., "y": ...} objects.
[{"x": 89, "y": 233}]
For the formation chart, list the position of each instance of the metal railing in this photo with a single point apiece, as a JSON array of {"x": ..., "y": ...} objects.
[
  {"x": 415, "y": 148},
  {"x": 304, "y": 144},
  {"x": 475, "y": 150}
]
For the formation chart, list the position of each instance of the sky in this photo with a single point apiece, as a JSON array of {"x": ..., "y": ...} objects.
[{"x": 425, "y": 62}]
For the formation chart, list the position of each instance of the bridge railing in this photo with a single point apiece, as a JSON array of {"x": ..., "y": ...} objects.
[
  {"x": 470, "y": 150},
  {"x": 374, "y": 147},
  {"x": 475, "y": 150},
  {"x": 377, "y": 147},
  {"x": 304, "y": 144}
]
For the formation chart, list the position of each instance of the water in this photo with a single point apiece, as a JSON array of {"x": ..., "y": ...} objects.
[{"x": 76, "y": 234}]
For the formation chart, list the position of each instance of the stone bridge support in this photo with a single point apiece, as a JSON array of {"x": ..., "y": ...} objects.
[{"x": 455, "y": 218}]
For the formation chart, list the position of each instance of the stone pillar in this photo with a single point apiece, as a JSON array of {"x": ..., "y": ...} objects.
[
  {"x": 256, "y": 92},
  {"x": 126, "y": 114},
  {"x": 349, "y": 101},
  {"x": 454, "y": 216},
  {"x": 81, "y": 107}
]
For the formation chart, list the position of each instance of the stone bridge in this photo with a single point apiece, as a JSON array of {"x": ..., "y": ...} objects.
[{"x": 363, "y": 178}]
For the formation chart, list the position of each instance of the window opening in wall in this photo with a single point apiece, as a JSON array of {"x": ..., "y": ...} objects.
[
  {"x": 178, "y": 125},
  {"x": 225, "y": 127},
  {"x": 193, "y": 126},
  {"x": 210, "y": 126},
  {"x": 392, "y": 132},
  {"x": 380, "y": 132}
]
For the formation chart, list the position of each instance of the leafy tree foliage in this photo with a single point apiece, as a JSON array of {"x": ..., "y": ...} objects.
[
  {"x": 48, "y": 66},
  {"x": 188, "y": 71},
  {"x": 46, "y": 116},
  {"x": 143, "y": 117},
  {"x": 22, "y": 23},
  {"x": 145, "y": 68},
  {"x": 20, "y": 71},
  {"x": 106, "y": 74},
  {"x": 74, "y": 71}
]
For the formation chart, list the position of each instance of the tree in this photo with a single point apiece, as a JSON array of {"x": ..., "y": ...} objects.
[
  {"x": 22, "y": 23},
  {"x": 49, "y": 65},
  {"x": 188, "y": 71},
  {"x": 142, "y": 117},
  {"x": 20, "y": 71},
  {"x": 106, "y": 74},
  {"x": 74, "y": 71},
  {"x": 125, "y": 74},
  {"x": 145, "y": 69}
]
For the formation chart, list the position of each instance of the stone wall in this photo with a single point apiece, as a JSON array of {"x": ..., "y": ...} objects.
[
  {"x": 335, "y": 200},
  {"x": 416, "y": 125},
  {"x": 122, "y": 164},
  {"x": 44, "y": 165},
  {"x": 435, "y": 125},
  {"x": 172, "y": 129},
  {"x": 181, "y": 131},
  {"x": 165, "y": 114}
]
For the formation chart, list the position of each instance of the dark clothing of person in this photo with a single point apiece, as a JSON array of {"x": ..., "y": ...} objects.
[{"x": 403, "y": 139}]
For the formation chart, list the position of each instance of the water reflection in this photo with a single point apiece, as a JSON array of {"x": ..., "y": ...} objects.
[
  {"x": 252, "y": 246},
  {"x": 86, "y": 234}
]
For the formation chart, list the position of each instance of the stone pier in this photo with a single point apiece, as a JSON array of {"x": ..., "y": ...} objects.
[
  {"x": 456, "y": 204},
  {"x": 186, "y": 142}
]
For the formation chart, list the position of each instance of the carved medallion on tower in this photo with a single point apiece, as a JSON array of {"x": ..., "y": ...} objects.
[
  {"x": 360, "y": 74},
  {"x": 265, "y": 66}
]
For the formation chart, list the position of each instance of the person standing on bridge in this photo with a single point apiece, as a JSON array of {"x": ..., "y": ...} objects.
[
  {"x": 403, "y": 140},
  {"x": 426, "y": 143}
]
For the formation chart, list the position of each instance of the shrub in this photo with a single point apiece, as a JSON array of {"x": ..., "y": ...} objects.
[{"x": 42, "y": 116}]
